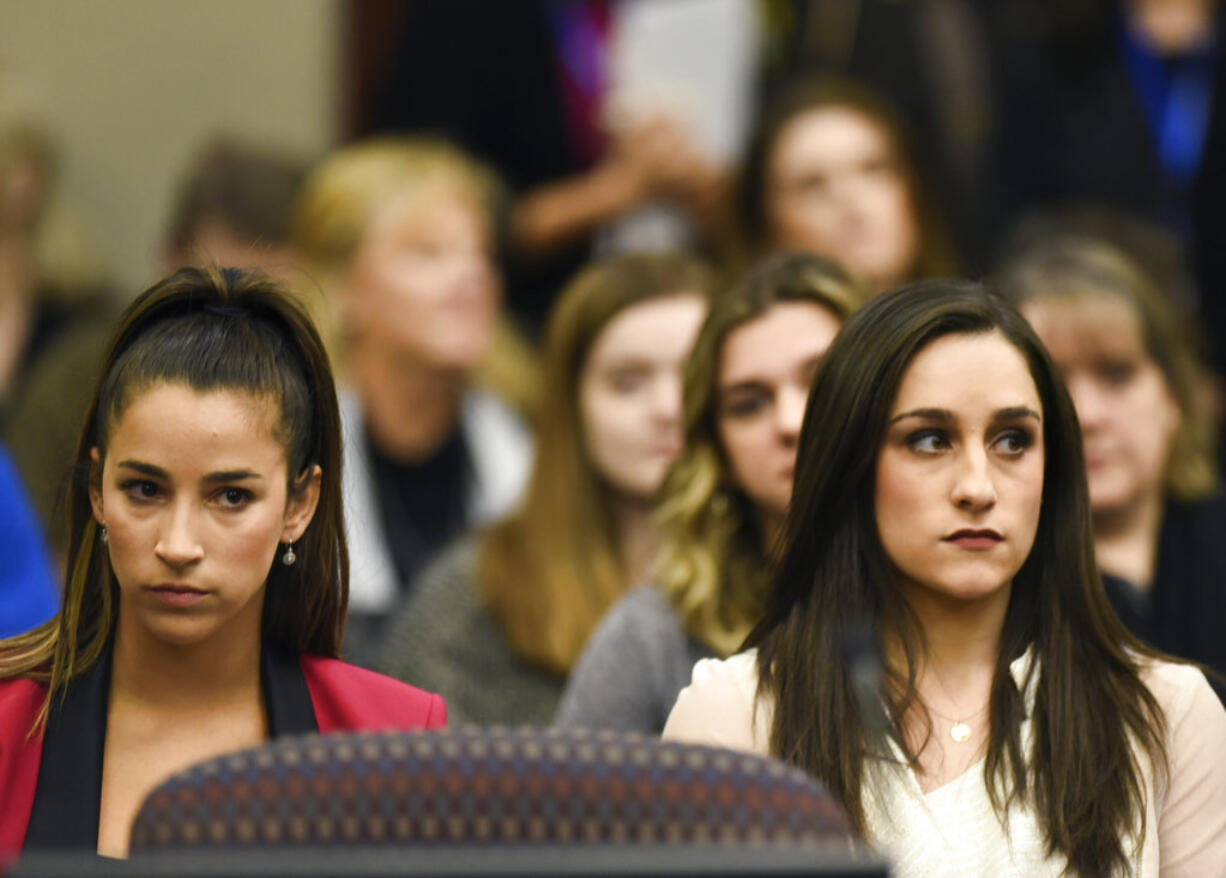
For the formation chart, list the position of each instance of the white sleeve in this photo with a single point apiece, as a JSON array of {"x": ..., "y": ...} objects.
[
  {"x": 1192, "y": 819},
  {"x": 717, "y": 708}
]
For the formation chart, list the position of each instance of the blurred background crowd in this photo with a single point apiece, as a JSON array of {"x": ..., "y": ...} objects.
[{"x": 577, "y": 262}]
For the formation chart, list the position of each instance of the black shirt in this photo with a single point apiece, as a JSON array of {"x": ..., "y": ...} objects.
[
  {"x": 422, "y": 505},
  {"x": 1184, "y": 612}
]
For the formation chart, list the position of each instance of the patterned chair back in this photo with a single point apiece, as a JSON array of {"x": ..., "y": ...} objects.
[{"x": 487, "y": 786}]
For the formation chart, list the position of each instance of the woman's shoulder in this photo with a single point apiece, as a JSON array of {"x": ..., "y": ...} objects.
[
  {"x": 21, "y": 698},
  {"x": 452, "y": 572},
  {"x": 1191, "y": 800},
  {"x": 737, "y": 672},
  {"x": 1195, "y": 718},
  {"x": 721, "y": 706},
  {"x": 645, "y": 604},
  {"x": 444, "y": 603},
  {"x": 1177, "y": 686},
  {"x": 349, "y": 698}
]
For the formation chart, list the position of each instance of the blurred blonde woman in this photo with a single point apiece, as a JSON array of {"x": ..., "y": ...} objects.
[
  {"x": 399, "y": 234},
  {"x": 499, "y": 620},
  {"x": 724, "y": 500},
  {"x": 1158, "y": 513}
]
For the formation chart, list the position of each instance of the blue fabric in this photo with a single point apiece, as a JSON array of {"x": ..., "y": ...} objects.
[
  {"x": 1175, "y": 93},
  {"x": 28, "y": 593}
]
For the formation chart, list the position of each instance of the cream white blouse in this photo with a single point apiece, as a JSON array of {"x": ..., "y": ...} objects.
[{"x": 953, "y": 830}]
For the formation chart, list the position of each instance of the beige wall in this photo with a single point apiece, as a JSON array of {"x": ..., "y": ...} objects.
[{"x": 131, "y": 88}]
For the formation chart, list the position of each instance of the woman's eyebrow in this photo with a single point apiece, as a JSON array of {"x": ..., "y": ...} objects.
[
  {"x": 1011, "y": 413},
  {"x": 928, "y": 414},
  {"x": 745, "y": 384},
  {"x": 236, "y": 475},
  {"x": 1016, "y": 413},
  {"x": 147, "y": 469}
]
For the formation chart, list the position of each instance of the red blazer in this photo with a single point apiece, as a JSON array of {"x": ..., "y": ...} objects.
[{"x": 345, "y": 698}]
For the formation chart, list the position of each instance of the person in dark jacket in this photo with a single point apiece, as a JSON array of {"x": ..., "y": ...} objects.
[{"x": 1159, "y": 514}]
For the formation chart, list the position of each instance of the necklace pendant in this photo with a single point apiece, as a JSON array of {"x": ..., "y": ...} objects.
[{"x": 960, "y": 732}]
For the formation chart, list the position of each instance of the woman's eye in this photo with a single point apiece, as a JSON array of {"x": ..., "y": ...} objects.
[
  {"x": 745, "y": 406},
  {"x": 1117, "y": 373},
  {"x": 628, "y": 380},
  {"x": 140, "y": 489},
  {"x": 233, "y": 498},
  {"x": 927, "y": 442},
  {"x": 815, "y": 184},
  {"x": 877, "y": 165},
  {"x": 1014, "y": 442}
]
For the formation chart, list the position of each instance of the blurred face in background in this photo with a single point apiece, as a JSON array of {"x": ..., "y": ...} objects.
[
  {"x": 1127, "y": 412},
  {"x": 423, "y": 281},
  {"x": 835, "y": 187},
  {"x": 630, "y": 392},
  {"x": 766, "y": 368}
]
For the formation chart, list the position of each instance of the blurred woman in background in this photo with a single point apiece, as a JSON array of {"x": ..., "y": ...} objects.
[
  {"x": 828, "y": 171},
  {"x": 1159, "y": 516},
  {"x": 724, "y": 501},
  {"x": 400, "y": 235},
  {"x": 498, "y": 621}
]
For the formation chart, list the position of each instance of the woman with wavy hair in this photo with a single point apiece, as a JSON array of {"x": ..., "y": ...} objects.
[
  {"x": 207, "y": 569},
  {"x": 499, "y": 620},
  {"x": 940, "y": 531},
  {"x": 724, "y": 500}
]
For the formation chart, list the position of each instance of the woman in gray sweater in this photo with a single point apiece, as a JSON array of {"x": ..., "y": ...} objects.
[
  {"x": 723, "y": 501},
  {"x": 497, "y": 622}
]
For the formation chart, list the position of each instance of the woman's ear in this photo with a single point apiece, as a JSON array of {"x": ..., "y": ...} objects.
[
  {"x": 95, "y": 485},
  {"x": 303, "y": 500}
]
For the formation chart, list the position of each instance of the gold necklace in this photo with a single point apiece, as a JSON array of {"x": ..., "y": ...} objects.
[{"x": 960, "y": 729}]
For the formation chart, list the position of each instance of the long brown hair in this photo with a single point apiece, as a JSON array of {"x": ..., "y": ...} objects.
[
  {"x": 551, "y": 571},
  {"x": 1081, "y": 775},
  {"x": 712, "y": 553},
  {"x": 209, "y": 329}
]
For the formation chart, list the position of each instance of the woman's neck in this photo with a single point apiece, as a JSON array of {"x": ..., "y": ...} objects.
[
  {"x": 637, "y": 537},
  {"x": 963, "y": 644},
  {"x": 222, "y": 670},
  {"x": 1126, "y": 540},
  {"x": 410, "y": 408}
]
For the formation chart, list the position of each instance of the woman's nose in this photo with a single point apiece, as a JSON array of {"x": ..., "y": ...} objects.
[
  {"x": 178, "y": 544},
  {"x": 790, "y": 411},
  {"x": 974, "y": 488}
]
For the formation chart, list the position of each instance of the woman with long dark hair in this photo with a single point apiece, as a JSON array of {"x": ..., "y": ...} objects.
[
  {"x": 207, "y": 569},
  {"x": 940, "y": 507}
]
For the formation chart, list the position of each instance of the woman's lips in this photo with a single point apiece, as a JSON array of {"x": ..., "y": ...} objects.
[
  {"x": 178, "y": 595},
  {"x": 975, "y": 539}
]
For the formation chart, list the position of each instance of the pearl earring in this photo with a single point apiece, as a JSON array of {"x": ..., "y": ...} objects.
[{"x": 289, "y": 557}]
